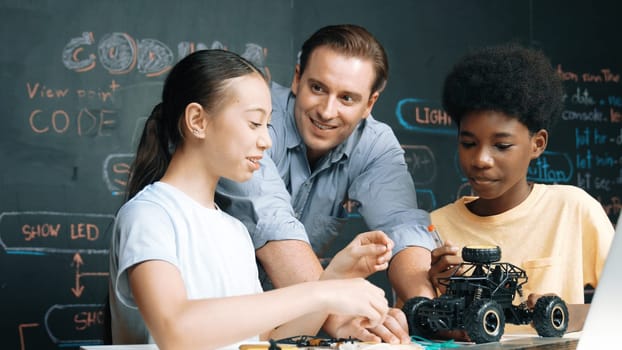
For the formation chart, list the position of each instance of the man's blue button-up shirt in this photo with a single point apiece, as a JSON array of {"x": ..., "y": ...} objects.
[{"x": 286, "y": 199}]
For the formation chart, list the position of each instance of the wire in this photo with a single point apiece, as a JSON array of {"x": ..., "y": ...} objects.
[{"x": 433, "y": 345}]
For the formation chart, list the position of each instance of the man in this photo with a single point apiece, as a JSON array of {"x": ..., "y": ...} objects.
[{"x": 328, "y": 156}]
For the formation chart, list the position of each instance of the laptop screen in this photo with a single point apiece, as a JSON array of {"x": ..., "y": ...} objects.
[{"x": 605, "y": 314}]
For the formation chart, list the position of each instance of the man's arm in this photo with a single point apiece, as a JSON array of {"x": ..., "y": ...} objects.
[
  {"x": 367, "y": 253},
  {"x": 289, "y": 262},
  {"x": 388, "y": 202},
  {"x": 263, "y": 205}
]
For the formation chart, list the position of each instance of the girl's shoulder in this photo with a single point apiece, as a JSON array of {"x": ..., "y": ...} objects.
[{"x": 154, "y": 199}]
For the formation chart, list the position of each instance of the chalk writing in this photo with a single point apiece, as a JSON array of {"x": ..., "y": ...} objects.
[
  {"x": 44, "y": 92},
  {"x": 596, "y": 141},
  {"x": 86, "y": 122},
  {"x": 421, "y": 163},
  {"x": 417, "y": 115},
  {"x": 78, "y": 288},
  {"x": 37, "y": 90},
  {"x": 116, "y": 169},
  {"x": 589, "y": 182},
  {"x": 119, "y": 53},
  {"x": 605, "y": 75},
  {"x": 87, "y": 321},
  {"x": 565, "y": 76},
  {"x": 54, "y": 232},
  {"x": 74, "y": 48},
  {"x": 593, "y": 158},
  {"x": 615, "y": 101},
  {"x": 551, "y": 167},
  {"x": 594, "y": 115},
  {"x": 20, "y": 329},
  {"x": 584, "y": 161},
  {"x": 40, "y": 230},
  {"x": 154, "y": 58},
  {"x": 582, "y": 98}
]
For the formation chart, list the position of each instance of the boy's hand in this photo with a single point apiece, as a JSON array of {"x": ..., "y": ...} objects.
[{"x": 445, "y": 260}]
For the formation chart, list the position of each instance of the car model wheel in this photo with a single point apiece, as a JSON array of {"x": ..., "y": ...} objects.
[
  {"x": 481, "y": 254},
  {"x": 485, "y": 321},
  {"x": 550, "y": 316},
  {"x": 417, "y": 325}
]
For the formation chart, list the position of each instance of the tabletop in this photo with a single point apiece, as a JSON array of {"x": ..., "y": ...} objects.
[{"x": 514, "y": 342}]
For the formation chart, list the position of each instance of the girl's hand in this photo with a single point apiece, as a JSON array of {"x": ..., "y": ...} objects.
[{"x": 355, "y": 297}]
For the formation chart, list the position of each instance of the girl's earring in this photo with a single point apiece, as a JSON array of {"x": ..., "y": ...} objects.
[{"x": 195, "y": 131}]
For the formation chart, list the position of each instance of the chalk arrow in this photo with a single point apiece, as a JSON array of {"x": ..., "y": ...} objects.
[
  {"x": 78, "y": 290},
  {"x": 77, "y": 260}
]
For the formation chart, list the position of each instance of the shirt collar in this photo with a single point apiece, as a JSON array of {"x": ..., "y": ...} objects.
[{"x": 292, "y": 136}]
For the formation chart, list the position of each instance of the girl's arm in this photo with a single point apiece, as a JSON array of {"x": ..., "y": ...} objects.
[{"x": 178, "y": 323}]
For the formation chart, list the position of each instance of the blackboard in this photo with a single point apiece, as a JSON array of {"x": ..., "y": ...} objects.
[{"x": 79, "y": 78}]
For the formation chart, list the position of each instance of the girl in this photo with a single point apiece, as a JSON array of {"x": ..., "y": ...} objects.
[{"x": 183, "y": 273}]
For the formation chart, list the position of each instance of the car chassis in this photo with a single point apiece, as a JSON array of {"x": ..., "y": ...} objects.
[{"x": 479, "y": 300}]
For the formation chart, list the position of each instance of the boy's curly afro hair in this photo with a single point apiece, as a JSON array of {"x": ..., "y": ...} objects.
[{"x": 510, "y": 79}]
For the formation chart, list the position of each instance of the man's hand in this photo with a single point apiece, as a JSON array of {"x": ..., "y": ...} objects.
[
  {"x": 369, "y": 252},
  {"x": 394, "y": 330},
  {"x": 445, "y": 260}
]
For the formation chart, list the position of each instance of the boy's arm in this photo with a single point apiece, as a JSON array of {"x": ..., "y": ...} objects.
[{"x": 408, "y": 274}]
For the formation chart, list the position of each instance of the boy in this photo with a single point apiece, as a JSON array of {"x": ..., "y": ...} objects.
[{"x": 504, "y": 100}]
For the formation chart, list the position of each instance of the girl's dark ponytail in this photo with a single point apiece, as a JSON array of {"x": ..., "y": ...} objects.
[{"x": 153, "y": 154}]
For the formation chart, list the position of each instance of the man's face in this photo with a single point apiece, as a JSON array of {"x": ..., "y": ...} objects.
[{"x": 332, "y": 96}]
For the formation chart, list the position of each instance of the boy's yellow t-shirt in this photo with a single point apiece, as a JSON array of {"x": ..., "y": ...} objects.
[{"x": 560, "y": 235}]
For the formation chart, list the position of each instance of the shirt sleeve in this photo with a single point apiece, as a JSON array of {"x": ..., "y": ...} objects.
[
  {"x": 145, "y": 232},
  {"x": 263, "y": 205},
  {"x": 386, "y": 193}
]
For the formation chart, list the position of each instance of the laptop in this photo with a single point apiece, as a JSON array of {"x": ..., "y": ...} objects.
[{"x": 602, "y": 325}]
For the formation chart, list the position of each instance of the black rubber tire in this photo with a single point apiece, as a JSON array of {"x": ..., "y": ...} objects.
[
  {"x": 416, "y": 326},
  {"x": 550, "y": 316},
  {"x": 484, "y": 321},
  {"x": 481, "y": 254}
]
